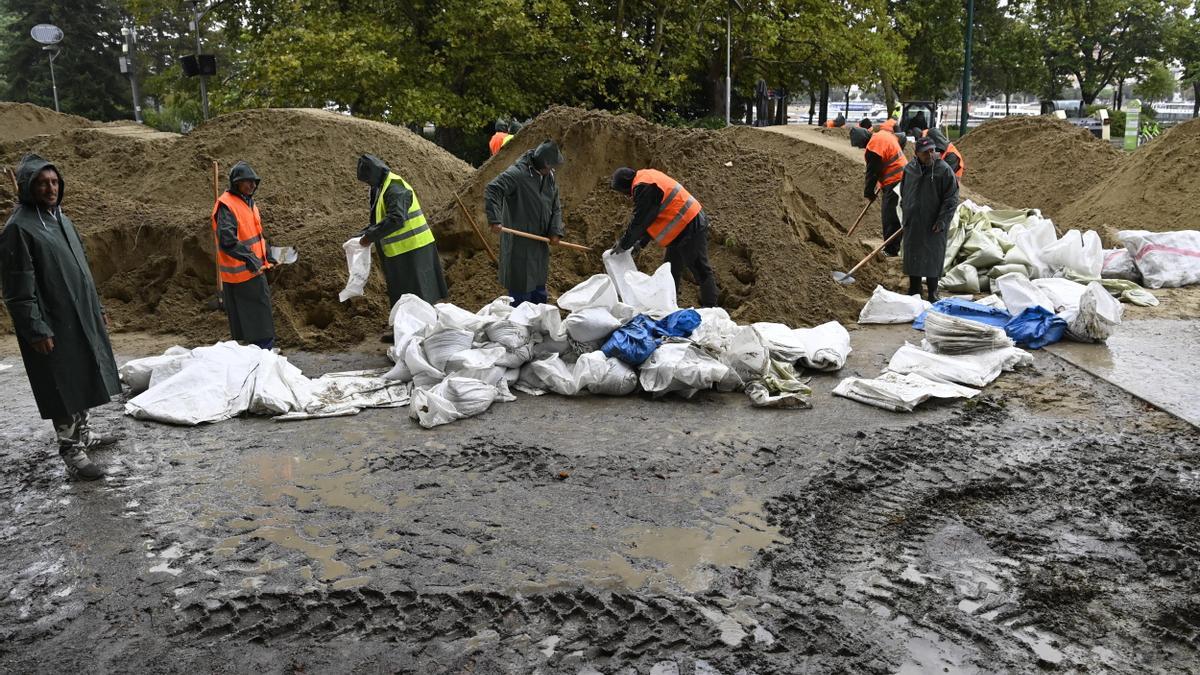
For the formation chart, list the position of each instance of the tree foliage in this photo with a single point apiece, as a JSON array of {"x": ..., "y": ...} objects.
[
  {"x": 1008, "y": 59},
  {"x": 1157, "y": 83}
]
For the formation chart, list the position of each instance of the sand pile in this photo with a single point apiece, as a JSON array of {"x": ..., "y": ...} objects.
[
  {"x": 772, "y": 243},
  {"x": 22, "y": 120},
  {"x": 1155, "y": 188},
  {"x": 143, "y": 205},
  {"x": 1036, "y": 162}
]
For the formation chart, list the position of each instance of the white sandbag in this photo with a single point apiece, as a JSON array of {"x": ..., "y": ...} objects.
[
  {"x": 963, "y": 278},
  {"x": 826, "y": 347},
  {"x": 680, "y": 367},
  {"x": 716, "y": 329},
  {"x": 597, "y": 291},
  {"x": 348, "y": 393},
  {"x": 761, "y": 397},
  {"x": 982, "y": 250},
  {"x": 453, "y": 317},
  {"x": 279, "y": 387},
  {"x": 216, "y": 384},
  {"x": 1076, "y": 252},
  {"x": 886, "y": 306},
  {"x": 547, "y": 347},
  {"x": 992, "y": 301},
  {"x": 358, "y": 266},
  {"x": 410, "y": 317},
  {"x": 500, "y": 308},
  {"x": 746, "y": 354},
  {"x": 539, "y": 318},
  {"x": 479, "y": 364},
  {"x": 783, "y": 342},
  {"x": 973, "y": 370},
  {"x": 136, "y": 373},
  {"x": 651, "y": 294},
  {"x": 1118, "y": 264},
  {"x": 1007, "y": 268},
  {"x": 1064, "y": 294},
  {"x": 604, "y": 375},
  {"x": 507, "y": 334},
  {"x": 440, "y": 345},
  {"x": 948, "y": 334},
  {"x": 420, "y": 370},
  {"x": 1097, "y": 316},
  {"x": 1019, "y": 294},
  {"x": 515, "y": 358},
  {"x": 616, "y": 266},
  {"x": 1030, "y": 244},
  {"x": 591, "y": 324},
  {"x": 549, "y": 374},
  {"x": 1165, "y": 259},
  {"x": 899, "y": 393},
  {"x": 452, "y": 399},
  {"x": 623, "y": 312}
]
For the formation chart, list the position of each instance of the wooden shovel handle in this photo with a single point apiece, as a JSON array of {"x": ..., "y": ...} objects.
[
  {"x": 478, "y": 232},
  {"x": 566, "y": 244},
  {"x": 874, "y": 253},
  {"x": 858, "y": 221}
]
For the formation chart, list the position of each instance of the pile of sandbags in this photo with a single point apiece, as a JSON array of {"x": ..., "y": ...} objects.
[{"x": 623, "y": 331}]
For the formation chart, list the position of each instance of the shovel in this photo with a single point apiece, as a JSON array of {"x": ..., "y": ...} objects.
[
  {"x": 847, "y": 278},
  {"x": 859, "y": 220},
  {"x": 564, "y": 244}
]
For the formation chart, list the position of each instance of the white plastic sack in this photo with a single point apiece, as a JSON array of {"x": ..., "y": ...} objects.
[
  {"x": 1097, "y": 316},
  {"x": 1118, "y": 264},
  {"x": 974, "y": 370},
  {"x": 747, "y": 354},
  {"x": 680, "y": 367},
  {"x": 826, "y": 347},
  {"x": 963, "y": 278},
  {"x": 453, "y": 317},
  {"x": 1076, "y": 252},
  {"x": 420, "y": 370},
  {"x": 604, "y": 375},
  {"x": 992, "y": 301},
  {"x": 478, "y": 364},
  {"x": 507, "y": 334},
  {"x": 597, "y": 291},
  {"x": 358, "y": 266},
  {"x": 1064, "y": 294},
  {"x": 1019, "y": 293},
  {"x": 1030, "y": 244},
  {"x": 783, "y": 342},
  {"x": 410, "y": 317},
  {"x": 452, "y": 399},
  {"x": 279, "y": 387},
  {"x": 716, "y": 329},
  {"x": 591, "y": 324},
  {"x": 616, "y": 266},
  {"x": 651, "y": 294},
  {"x": 136, "y": 373},
  {"x": 1165, "y": 259},
  {"x": 443, "y": 344},
  {"x": 899, "y": 393},
  {"x": 549, "y": 374},
  {"x": 886, "y": 306},
  {"x": 948, "y": 334},
  {"x": 541, "y": 318},
  {"x": 982, "y": 249}
]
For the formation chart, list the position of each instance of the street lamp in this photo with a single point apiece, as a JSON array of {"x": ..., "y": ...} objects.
[
  {"x": 49, "y": 35},
  {"x": 966, "y": 85},
  {"x": 729, "y": 55},
  {"x": 197, "y": 17},
  {"x": 128, "y": 64}
]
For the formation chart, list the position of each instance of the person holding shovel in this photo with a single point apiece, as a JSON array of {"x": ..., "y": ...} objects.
[
  {"x": 61, "y": 327},
  {"x": 401, "y": 235},
  {"x": 667, "y": 214},
  {"x": 928, "y": 201},
  {"x": 524, "y": 197},
  {"x": 243, "y": 259}
]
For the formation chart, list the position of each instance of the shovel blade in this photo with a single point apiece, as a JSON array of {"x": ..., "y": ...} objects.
[{"x": 843, "y": 278}]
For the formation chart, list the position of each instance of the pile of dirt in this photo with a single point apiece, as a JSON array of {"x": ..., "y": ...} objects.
[
  {"x": 1153, "y": 189},
  {"x": 1036, "y": 162},
  {"x": 143, "y": 203},
  {"x": 773, "y": 241},
  {"x": 22, "y": 120}
]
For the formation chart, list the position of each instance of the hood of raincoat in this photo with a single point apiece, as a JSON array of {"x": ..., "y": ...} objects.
[
  {"x": 939, "y": 139},
  {"x": 372, "y": 170},
  {"x": 547, "y": 155},
  {"x": 31, "y": 165},
  {"x": 239, "y": 172},
  {"x": 859, "y": 137}
]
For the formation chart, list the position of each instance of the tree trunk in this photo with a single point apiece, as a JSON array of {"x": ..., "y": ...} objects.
[
  {"x": 1007, "y": 96},
  {"x": 781, "y": 110},
  {"x": 1196, "y": 97},
  {"x": 824, "y": 103},
  {"x": 889, "y": 93},
  {"x": 1120, "y": 97},
  {"x": 812, "y": 105}
]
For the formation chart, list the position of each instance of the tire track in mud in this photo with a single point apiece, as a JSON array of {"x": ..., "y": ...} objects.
[{"x": 964, "y": 549}]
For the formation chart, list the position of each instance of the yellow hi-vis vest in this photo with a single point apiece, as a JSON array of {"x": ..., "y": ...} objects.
[{"x": 415, "y": 232}]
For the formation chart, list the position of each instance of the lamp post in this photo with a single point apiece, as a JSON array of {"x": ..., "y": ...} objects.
[
  {"x": 966, "y": 86},
  {"x": 729, "y": 55},
  {"x": 198, "y": 16},
  {"x": 49, "y": 35},
  {"x": 128, "y": 63}
]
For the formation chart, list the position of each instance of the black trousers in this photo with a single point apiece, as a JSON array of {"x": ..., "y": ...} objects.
[
  {"x": 891, "y": 219},
  {"x": 690, "y": 251}
]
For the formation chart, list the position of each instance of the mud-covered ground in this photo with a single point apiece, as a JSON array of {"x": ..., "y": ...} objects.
[{"x": 1051, "y": 524}]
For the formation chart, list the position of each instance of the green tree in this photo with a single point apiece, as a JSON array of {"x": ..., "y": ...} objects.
[
  {"x": 1183, "y": 46},
  {"x": 1157, "y": 82},
  {"x": 933, "y": 30},
  {"x": 89, "y": 80},
  {"x": 1008, "y": 59},
  {"x": 1096, "y": 41}
]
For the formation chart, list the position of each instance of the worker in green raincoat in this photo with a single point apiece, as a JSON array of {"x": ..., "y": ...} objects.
[
  {"x": 60, "y": 325},
  {"x": 524, "y": 197},
  {"x": 928, "y": 200}
]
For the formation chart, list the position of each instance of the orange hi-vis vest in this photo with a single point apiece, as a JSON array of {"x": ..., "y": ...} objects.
[
  {"x": 828, "y": 124},
  {"x": 889, "y": 125},
  {"x": 250, "y": 234},
  {"x": 677, "y": 209},
  {"x": 887, "y": 146},
  {"x": 499, "y": 139}
]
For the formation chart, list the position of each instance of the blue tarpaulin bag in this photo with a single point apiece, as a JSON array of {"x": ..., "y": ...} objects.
[
  {"x": 965, "y": 309},
  {"x": 634, "y": 342},
  {"x": 1036, "y": 327}
]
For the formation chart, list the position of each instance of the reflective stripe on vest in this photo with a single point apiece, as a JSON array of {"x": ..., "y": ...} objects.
[
  {"x": 250, "y": 235},
  {"x": 887, "y": 147},
  {"x": 415, "y": 232},
  {"x": 677, "y": 209}
]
